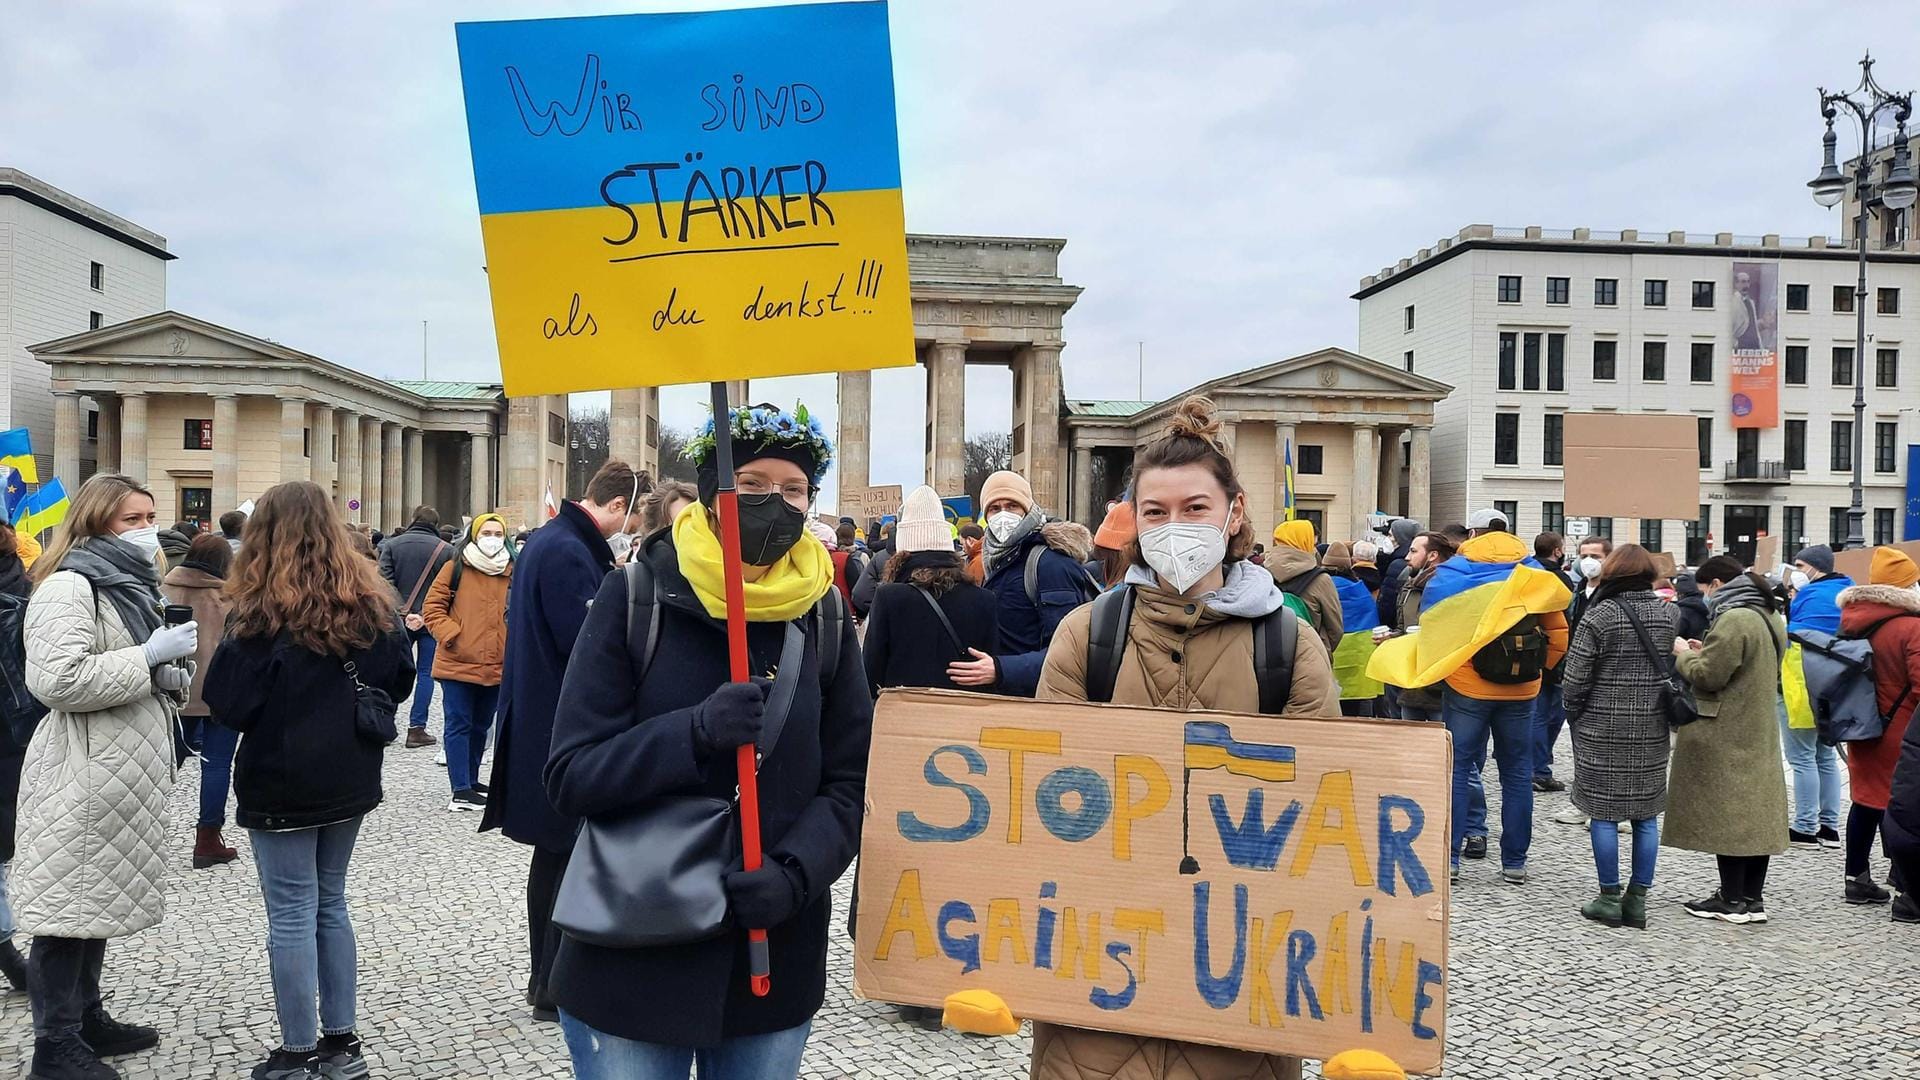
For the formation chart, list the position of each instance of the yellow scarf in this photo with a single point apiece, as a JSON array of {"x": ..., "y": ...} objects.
[{"x": 786, "y": 591}]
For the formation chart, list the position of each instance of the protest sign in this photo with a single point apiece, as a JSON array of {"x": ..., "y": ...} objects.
[
  {"x": 1766, "y": 553},
  {"x": 1270, "y": 884},
  {"x": 874, "y": 503},
  {"x": 688, "y": 197},
  {"x": 1639, "y": 466},
  {"x": 1856, "y": 562}
]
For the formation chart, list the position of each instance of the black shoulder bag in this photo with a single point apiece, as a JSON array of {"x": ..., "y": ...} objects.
[
  {"x": 1676, "y": 697},
  {"x": 373, "y": 710}
]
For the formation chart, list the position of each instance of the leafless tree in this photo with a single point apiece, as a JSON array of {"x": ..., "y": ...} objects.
[{"x": 984, "y": 454}]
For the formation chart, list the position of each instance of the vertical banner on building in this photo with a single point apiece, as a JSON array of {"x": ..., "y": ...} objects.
[
  {"x": 1755, "y": 386},
  {"x": 1913, "y": 493}
]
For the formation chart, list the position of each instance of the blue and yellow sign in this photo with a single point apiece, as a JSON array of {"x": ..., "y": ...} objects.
[{"x": 689, "y": 197}]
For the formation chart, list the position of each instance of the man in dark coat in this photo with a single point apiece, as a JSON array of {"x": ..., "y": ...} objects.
[
  {"x": 1393, "y": 568},
  {"x": 556, "y": 576},
  {"x": 409, "y": 562}
]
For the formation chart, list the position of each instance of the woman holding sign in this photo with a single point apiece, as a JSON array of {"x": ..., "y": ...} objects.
[
  {"x": 1187, "y": 617},
  {"x": 648, "y": 724}
]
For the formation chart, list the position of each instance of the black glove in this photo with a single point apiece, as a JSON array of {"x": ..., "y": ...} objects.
[
  {"x": 763, "y": 898},
  {"x": 731, "y": 716}
]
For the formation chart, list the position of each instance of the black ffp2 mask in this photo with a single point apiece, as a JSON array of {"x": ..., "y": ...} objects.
[{"x": 769, "y": 527}]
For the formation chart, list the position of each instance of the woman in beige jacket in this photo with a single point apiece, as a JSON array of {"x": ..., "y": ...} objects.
[
  {"x": 1190, "y": 638},
  {"x": 198, "y": 582}
]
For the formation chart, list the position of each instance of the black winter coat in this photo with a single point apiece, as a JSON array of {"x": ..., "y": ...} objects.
[
  {"x": 411, "y": 559},
  {"x": 13, "y": 581},
  {"x": 905, "y": 644},
  {"x": 869, "y": 582},
  {"x": 554, "y": 579},
  {"x": 1026, "y": 628},
  {"x": 300, "y": 764},
  {"x": 1690, "y": 616}
]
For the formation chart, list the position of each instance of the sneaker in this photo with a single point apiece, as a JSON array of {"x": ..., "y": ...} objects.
[
  {"x": 417, "y": 737},
  {"x": 1829, "y": 837},
  {"x": 1719, "y": 907},
  {"x": 1474, "y": 847},
  {"x": 341, "y": 1057},
  {"x": 1548, "y": 783},
  {"x": 1863, "y": 890},
  {"x": 1572, "y": 815},
  {"x": 1802, "y": 839},
  {"x": 1513, "y": 875},
  {"x": 1906, "y": 909},
  {"x": 108, "y": 1037},
  {"x": 65, "y": 1057},
  {"x": 284, "y": 1064},
  {"x": 440, "y": 758},
  {"x": 467, "y": 799},
  {"x": 1756, "y": 911},
  {"x": 482, "y": 788}
]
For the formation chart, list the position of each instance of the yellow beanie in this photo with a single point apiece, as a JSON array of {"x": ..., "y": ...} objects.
[
  {"x": 1297, "y": 533},
  {"x": 1891, "y": 566}
]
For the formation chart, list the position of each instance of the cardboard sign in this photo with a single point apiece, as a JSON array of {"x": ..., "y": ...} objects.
[
  {"x": 874, "y": 503},
  {"x": 688, "y": 197},
  {"x": 1766, "y": 553},
  {"x": 1856, "y": 562},
  {"x": 1639, "y": 466},
  {"x": 1268, "y": 884}
]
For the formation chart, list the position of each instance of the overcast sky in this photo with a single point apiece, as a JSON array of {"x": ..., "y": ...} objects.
[{"x": 1224, "y": 173}]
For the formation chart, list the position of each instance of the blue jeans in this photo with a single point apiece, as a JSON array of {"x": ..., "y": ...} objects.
[
  {"x": 310, "y": 947},
  {"x": 215, "y": 743},
  {"x": 1606, "y": 850},
  {"x": 6, "y": 908},
  {"x": 600, "y": 1056},
  {"x": 1549, "y": 716},
  {"x": 469, "y": 709},
  {"x": 1509, "y": 724},
  {"x": 423, "y": 647},
  {"x": 1816, "y": 777},
  {"x": 1477, "y": 790}
]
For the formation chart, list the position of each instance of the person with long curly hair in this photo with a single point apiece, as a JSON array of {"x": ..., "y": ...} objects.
[{"x": 313, "y": 629}]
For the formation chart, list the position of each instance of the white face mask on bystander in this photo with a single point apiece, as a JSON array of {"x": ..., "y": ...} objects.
[
  {"x": 146, "y": 539},
  {"x": 1183, "y": 552}
]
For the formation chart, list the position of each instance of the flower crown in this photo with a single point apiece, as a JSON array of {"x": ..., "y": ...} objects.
[{"x": 767, "y": 425}]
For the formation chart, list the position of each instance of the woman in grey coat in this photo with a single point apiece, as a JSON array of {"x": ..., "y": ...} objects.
[
  {"x": 1728, "y": 788},
  {"x": 1613, "y": 674}
]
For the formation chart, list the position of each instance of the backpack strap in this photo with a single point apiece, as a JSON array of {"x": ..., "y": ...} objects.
[
  {"x": 1107, "y": 641},
  {"x": 1301, "y": 582},
  {"x": 1275, "y": 638},
  {"x": 643, "y": 616},
  {"x": 453, "y": 581},
  {"x": 1034, "y": 555},
  {"x": 829, "y": 621},
  {"x": 959, "y": 646},
  {"x": 425, "y": 575}
]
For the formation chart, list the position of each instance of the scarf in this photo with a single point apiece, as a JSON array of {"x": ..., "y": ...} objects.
[
  {"x": 999, "y": 550},
  {"x": 117, "y": 569},
  {"x": 788, "y": 589},
  {"x": 1738, "y": 593},
  {"x": 477, "y": 559},
  {"x": 1613, "y": 587}
]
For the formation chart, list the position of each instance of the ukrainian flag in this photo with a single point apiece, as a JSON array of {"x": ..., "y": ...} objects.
[
  {"x": 16, "y": 453},
  {"x": 44, "y": 508},
  {"x": 1468, "y": 604},
  {"x": 1287, "y": 509},
  {"x": 1211, "y": 745},
  {"x": 1359, "y": 614}
]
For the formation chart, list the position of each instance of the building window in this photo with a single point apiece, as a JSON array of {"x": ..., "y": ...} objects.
[
  {"x": 1796, "y": 445},
  {"x": 1508, "y": 344},
  {"x": 1315, "y": 518},
  {"x": 1842, "y": 366},
  {"x": 1840, "y": 454},
  {"x": 1885, "y": 435},
  {"x": 1509, "y": 509},
  {"x": 1837, "y": 526},
  {"x": 1408, "y": 357},
  {"x": 1530, "y": 363},
  {"x": 199, "y": 435},
  {"x": 93, "y": 320},
  {"x": 1796, "y": 365},
  {"x": 1793, "y": 530},
  {"x": 1650, "y": 533},
  {"x": 1700, "y": 361},
  {"x": 1606, "y": 292},
  {"x": 1796, "y": 298},
  {"x": 1509, "y": 288},
  {"x": 93, "y": 423},
  {"x": 1843, "y": 298},
  {"x": 306, "y": 442},
  {"x": 1506, "y": 438},
  {"x": 1887, "y": 302},
  {"x": 1559, "y": 290},
  {"x": 1653, "y": 361},
  {"x": 556, "y": 429},
  {"x": 1656, "y": 293},
  {"x": 1705, "y": 425},
  {"x": 1883, "y": 525},
  {"x": 1551, "y": 452},
  {"x": 1703, "y": 294},
  {"x": 1309, "y": 461},
  {"x": 1408, "y": 314},
  {"x": 196, "y": 505},
  {"x": 1553, "y": 517},
  {"x": 1604, "y": 354},
  {"x": 1886, "y": 368},
  {"x": 96, "y": 276},
  {"x": 1556, "y": 361},
  {"x": 1602, "y": 526}
]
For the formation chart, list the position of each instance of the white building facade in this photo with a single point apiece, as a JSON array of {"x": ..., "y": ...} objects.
[
  {"x": 1529, "y": 324},
  {"x": 66, "y": 266}
]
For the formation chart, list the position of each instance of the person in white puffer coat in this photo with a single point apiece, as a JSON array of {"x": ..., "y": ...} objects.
[{"x": 93, "y": 791}]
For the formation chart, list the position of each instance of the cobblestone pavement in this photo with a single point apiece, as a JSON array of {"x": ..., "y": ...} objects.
[{"x": 1824, "y": 990}]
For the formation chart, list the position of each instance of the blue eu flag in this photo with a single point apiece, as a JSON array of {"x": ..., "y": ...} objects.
[{"x": 15, "y": 492}]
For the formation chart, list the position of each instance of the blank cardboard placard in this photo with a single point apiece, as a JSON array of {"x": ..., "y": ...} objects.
[
  {"x": 1639, "y": 466},
  {"x": 1766, "y": 552},
  {"x": 1856, "y": 562},
  {"x": 1277, "y": 885}
]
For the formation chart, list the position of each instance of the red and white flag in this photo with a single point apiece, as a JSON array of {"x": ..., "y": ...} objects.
[{"x": 553, "y": 510}]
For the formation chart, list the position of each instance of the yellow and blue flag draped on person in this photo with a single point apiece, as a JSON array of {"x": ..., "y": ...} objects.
[
  {"x": 1359, "y": 614},
  {"x": 43, "y": 509},
  {"x": 1815, "y": 607},
  {"x": 16, "y": 453},
  {"x": 1472, "y": 598}
]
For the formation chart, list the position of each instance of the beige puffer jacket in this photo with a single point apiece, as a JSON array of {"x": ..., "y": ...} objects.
[
  {"x": 93, "y": 791},
  {"x": 1215, "y": 671}
]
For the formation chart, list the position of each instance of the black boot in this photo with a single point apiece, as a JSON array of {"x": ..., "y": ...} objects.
[
  {"x": 110, "y": 1038},
  {"x": 65, "y": 1057},
  {"x": 1906, "y": 909},
  {"x": 1863, "y": 890},
  {"x": 13, "y": 966}
]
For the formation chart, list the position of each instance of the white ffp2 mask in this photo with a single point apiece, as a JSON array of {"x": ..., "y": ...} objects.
[
  {"x": 1002, "y": 524},
  {"x": 1589, "y": 567},
  {"x": 490, "y": 546},
  {"x": 146, "y": 539},
  {"x": 1182, "y": 552}
]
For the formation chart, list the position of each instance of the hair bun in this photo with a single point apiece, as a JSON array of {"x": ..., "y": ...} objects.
[{"x": 1194, "y": 419}]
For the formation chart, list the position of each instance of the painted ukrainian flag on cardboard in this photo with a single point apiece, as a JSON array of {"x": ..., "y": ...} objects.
[{"x": 689, "y": 197}]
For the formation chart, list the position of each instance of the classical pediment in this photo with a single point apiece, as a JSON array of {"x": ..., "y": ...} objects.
[
  {"x": 1332, "y": 372},
  {"x": 166, "y": 336}
]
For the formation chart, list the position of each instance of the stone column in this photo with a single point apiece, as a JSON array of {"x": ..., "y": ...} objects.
[
  {"x": 525, "y": 447},
  {"x": 632, "y": 418},
  {"x": 1390, "y": 471},
  {"x": 1083, "y": 508},
  {"x": 294, "y": 463},
  {"x": 1042, "y": 408},
  {"x": 1229, "y": 434},
  {"x": 106, "y": 452},
  {"x": 371, "y": 472},
  {"x": 133, "y": 436},
  {"x": 226, "y": 454},
  {"x": 480, "y": 494},
  {"x": 393, "y": 472},
  {"x": 413, "y": 488},
  {"x": 852, "y": 429},
  {"x": 320, "y": 447},
  {"x": 1420, "y": 476},
  {"x": 1284, "y": 435},
  {"x": 69, "y": 431},
  {"x": 347, "y": 491},
  {"x": 1364, "y": 495},
  {"x": 739, "y": 392},
  {"x": 947, "y": 417}
]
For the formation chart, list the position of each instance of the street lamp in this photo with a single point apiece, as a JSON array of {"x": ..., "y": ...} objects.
[{"x": 1896, "y": 192}]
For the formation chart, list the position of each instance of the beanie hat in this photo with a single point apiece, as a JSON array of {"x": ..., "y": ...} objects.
[
  {"x": 1818, "y": 556},
  {"x": 1118, "y": 529},
  {"x": 1403, "y": 530},
  {"x": 1296, "y": 534},
  {"x": 819, "y": 531},
  {"x": 1891, "y": 566},
  {"x": 1338, "y": 557},
  {"x": 1006, "y": 485},
  {"x": 922, "y": 525}
]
